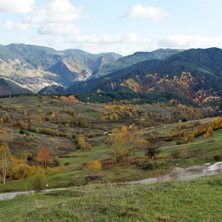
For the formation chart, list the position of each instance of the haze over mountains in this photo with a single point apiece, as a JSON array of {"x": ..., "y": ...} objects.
[{"x": 194, "y": 73}]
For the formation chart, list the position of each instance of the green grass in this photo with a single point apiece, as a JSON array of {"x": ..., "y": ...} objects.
[
  {"x": 75, "y": 176},
  {"x": 192, "y": 201}
]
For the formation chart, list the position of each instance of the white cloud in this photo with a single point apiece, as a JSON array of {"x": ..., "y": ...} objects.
[
  {"x": 58, "y": 29},
  {"x": 189, "y": 41},
  {"x": 16, "y": 6},
  {"x": 9, "y": 25},
  {"x": 56, "y": 18},
  {"x": 57, "y": 12},
  {"x": 149, "y": 12},
  {"x": 129, "y": 37}
]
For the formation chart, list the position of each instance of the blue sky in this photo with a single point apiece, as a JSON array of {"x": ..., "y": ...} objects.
[{"x": 122, "y": 26}]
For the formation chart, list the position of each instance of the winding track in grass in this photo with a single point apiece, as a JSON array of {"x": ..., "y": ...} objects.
[{"x": 176, "y": 174}]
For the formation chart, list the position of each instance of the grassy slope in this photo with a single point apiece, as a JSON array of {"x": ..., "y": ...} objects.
[
  {"x": 207, "y": 148},
  {"x": 194, "y": 201},
  {"x": 74, "y": 176}
]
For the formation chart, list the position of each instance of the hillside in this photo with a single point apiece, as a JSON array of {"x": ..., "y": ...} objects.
[
  {"x": 92, "y": 144},
  {"x": 8, "y": 87},
  {"x": 53, "y": 89},
  {"x": 48, "y": 66},
  {"x": 137, "y": 57},
  {"x": 195, "y": 73}
]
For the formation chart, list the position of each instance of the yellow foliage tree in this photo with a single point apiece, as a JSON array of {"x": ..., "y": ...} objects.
[
  {"x": 141, "y": 144},
  {"x": 4, "y": 157},
  {"x": 119, "y": 139},
  {"x": 82, "y": 144},
  {"x": 93, "y": 166}
]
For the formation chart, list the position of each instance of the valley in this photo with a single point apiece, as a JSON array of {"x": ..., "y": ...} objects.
[{"x": 114, "y": 134}]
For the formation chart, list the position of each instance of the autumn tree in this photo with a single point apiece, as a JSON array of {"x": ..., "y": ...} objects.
[
  {"x": 38, "y": 181},
  {"x": 43, "y": 156},
  {"x": 82, "y": 144},
  {"x": 4, "y": 157},
  {"x": 93, "y": 166},
  {"x": 119, "y": 139},
  {"x": 141, "y": 144}
]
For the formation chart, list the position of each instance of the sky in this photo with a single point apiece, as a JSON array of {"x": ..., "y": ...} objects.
[{"x": 121, "y": 26}]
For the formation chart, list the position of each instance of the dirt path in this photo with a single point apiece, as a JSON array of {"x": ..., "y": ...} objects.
[{"x": 176, "y": 174}]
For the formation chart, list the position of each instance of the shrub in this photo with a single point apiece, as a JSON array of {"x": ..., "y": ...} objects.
[
  {"x": 21, "y": 132},
  {"x": 152, "y": 151},
  {"x": 176, "y": 154},
  {"x": 38, "y": 181},
  {"x": 218, "y": 157},
  {"x": 2, "y": 132},
  {"x": 56, "y": 161}
]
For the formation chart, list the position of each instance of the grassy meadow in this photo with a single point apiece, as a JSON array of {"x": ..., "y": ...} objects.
[{"x": 191, "y": 201}]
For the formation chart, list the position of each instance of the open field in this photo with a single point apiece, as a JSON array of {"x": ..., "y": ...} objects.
[{"x": 193, "y": 201}]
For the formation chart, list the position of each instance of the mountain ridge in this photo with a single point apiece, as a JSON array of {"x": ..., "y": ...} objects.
[
  {"x": 195, "y": 73},
  {"x": 21, "y": 61}
]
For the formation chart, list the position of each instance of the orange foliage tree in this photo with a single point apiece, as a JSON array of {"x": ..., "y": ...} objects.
[{"x": 43, "y": 156}]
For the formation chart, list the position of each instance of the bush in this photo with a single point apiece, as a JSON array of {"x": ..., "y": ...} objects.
[
  {"x": 148, "y": 165},
  {"x": 176, "y": 154},
  {"x": 21, "y": 132},
  {"x": 66, "y": 164},
  {"x": 151, "y": 164},
  {"x": 218, "y": 157},
  {"x": 56, "y": 161},
  {"x": 152, "y": 151},
  {"x": 38, "y": 181}
]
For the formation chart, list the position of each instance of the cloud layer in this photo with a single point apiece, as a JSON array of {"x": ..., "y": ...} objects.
[
  {"x": 54, "y": 25},
  {"x": 149, "y": 12},
  {"x": 16, "y": 6},
  {"x": 189, "y": 41},
  {"x": 57, "y": 12}
]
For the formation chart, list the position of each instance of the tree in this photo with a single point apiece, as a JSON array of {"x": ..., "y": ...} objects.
[
  {"x": 38, "y": 181},
  {"x": 82, "y": 144},
  {"x": 119, "y": 139},
  {"x": 43, "y": 156},
  {"x": 152, "y": 150},
  {"x": 93, "y": 166},
  {"x": 4, "y": 156}
]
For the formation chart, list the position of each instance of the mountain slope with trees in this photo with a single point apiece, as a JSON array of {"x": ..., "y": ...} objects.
[
  {"x": 137, "y": 57},
  {"x": 195, "y": 73}
]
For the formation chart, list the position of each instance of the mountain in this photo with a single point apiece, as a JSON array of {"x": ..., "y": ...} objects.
[
  {"x": 54, "y": 89},
  {"x": 137, "y": 57},
  {"x": 37, "y": 67},
  {"x": 194, "y": 73},
  {"x": 9, "y": 87},
  {"x": 77, "y": 65}
]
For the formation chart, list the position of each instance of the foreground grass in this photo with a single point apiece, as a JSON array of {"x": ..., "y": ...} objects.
[{"x": 197, "y": 200}]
